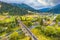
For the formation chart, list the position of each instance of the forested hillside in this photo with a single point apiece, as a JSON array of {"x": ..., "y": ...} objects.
[{"x": 12, "y": 10}]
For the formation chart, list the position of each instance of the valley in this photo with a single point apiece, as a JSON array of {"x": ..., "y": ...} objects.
[
  {"x": 18, "y": 23},
  {"x": 45, "y": 27}
]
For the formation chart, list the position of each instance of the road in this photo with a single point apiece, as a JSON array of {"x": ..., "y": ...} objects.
[
  {"x": 20, "y": 23},
  {"x": 31, "y": 34}
]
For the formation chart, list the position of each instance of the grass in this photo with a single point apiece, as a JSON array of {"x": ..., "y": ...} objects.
[
  {"x": 2, "y": 33},
  {"x": 36, "y": 32},
  {"x": 16, "y": 28},
  {"x": 39, "y": 35}
]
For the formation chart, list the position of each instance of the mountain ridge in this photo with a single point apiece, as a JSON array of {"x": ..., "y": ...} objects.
[
  {"x": 12, "y": 10},
  {"x": 23, "y": 8},
  {"x": 55, "y": 9},
  {"x": 50, "y": 10}
]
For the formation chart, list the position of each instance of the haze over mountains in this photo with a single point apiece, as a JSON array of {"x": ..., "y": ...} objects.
[
  {"x": 19, "y": 8},
  {"x": 54, "y": 9},
  {"x": 36, "y": 4}
]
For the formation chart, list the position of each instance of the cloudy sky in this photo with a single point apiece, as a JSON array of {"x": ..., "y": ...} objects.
[{"x": 37, "y": 4}]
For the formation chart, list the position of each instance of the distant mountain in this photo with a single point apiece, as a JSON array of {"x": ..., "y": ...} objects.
[
  {"x": 12, "y": 10},
  {"x": 44, "y": 9},
  {"x": 55, "y": 9},
  {"x": 24, "y": 6},
  {"x": 21, "y": 9}
]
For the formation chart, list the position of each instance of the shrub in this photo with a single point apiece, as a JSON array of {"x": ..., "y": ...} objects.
[
  {"x": 58, "y": 31},
  {"x": 49, "y": 30}
]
